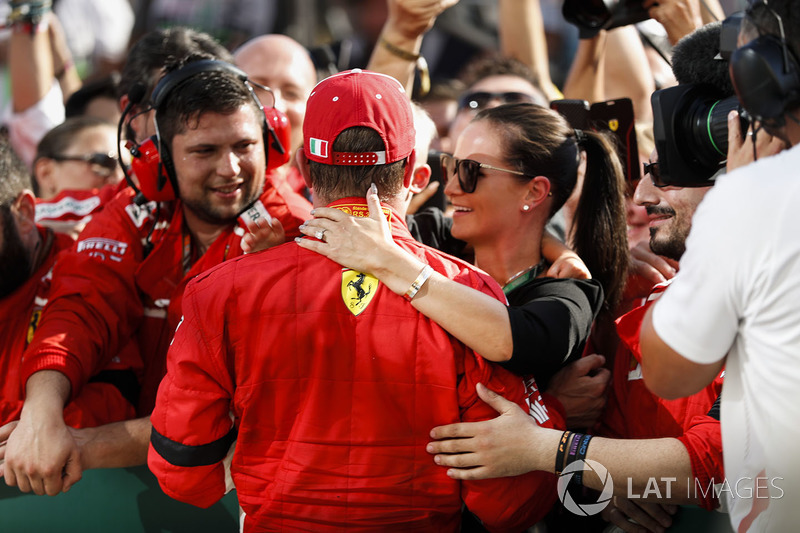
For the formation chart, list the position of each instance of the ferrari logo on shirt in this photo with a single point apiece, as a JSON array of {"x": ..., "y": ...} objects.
[
  {"x": 33, "y": 324},
  {"x": 357, "y": 290}
]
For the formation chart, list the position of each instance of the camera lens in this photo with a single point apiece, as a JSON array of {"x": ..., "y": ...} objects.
[
  {"x": 690, "y": 126},
  {"x": 706, "y": 122}
]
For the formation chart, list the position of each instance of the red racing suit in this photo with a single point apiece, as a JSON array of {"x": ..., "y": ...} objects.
[
  {"x": 100, "y": 402},
  {"x": 633, "y": 412},
  {"x": 333, "y": 383},
  {"x": 108, "y": 291}
]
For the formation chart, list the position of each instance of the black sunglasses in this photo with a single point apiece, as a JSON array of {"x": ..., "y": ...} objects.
[
  {"x": 106, "y": 163},
  {"x": 479, "y": 99},
  {"x": 468, "y": 171},
  {"x": 655, "y": 174}
]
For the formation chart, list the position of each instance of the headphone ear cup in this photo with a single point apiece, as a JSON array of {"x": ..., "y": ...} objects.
[
  {"x": 764, "y": 88},
  {"x": 277, "y": 138},
  {"x": 147, "y": 167}
]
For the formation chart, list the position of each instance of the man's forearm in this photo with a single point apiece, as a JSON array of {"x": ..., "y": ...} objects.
[
  {"x": 47, "y": 390},
  {"x": 116, "y": 445}
]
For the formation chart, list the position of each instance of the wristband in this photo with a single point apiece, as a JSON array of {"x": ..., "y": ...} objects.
[
  {"x": 580, "y": 456},
  {"x": 399, "y": 52},
  {"x": 562, "y": 450},
  {"x": 573, "y": 448},
  {"x": 417, "y": 284},
  {"x": 421, "y": 64}
]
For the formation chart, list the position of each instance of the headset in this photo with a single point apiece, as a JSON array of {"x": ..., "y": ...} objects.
[
  {"x": 766, "y": 76},
  {"x": 152, "y": 162}
]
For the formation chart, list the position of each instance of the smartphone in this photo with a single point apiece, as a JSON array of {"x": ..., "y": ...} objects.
[{"x": 614, "y": 116}]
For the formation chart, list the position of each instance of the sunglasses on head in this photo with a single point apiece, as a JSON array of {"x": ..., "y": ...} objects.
[
  {"x": 468, "y": 171},
  {"x": 479, "y": 99},
  {"x": 102, "y": 164}
]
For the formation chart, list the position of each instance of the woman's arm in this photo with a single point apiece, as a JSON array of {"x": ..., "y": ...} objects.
[{"x": 365, "y": 244}]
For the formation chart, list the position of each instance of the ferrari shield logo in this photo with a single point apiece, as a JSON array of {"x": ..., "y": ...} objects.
[
  {"x": 613, "y": 124},
  {"x": 357, "y": 290},
  {"x": 33, "y": 323}
]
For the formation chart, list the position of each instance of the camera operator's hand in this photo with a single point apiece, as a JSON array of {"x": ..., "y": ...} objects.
[
  {"x": 679, "y": 17},
  {"x": 741, "y": 151}
]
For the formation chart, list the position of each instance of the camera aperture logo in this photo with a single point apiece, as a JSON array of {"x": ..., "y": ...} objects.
[{"x": 585, "y": 509}]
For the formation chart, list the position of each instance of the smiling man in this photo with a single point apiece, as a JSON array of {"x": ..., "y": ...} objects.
[{"x": 121, "y": 286}]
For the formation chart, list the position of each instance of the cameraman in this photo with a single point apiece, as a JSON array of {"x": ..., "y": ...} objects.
[{"x": 736, "y": 301}]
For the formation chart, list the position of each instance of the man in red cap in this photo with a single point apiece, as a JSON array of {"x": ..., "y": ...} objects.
[{"x": 328, "y": 380}]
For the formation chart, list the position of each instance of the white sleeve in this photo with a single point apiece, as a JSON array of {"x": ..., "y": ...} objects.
[{"x": 27, "y": 128}]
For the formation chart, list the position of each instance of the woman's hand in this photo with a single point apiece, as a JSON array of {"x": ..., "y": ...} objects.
[{"x": 363, "y": 244}]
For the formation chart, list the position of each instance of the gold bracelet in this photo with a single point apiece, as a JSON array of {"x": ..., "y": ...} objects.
[
  {"x": 417, "y": 284},
  {"x": 420, "y": 63}
]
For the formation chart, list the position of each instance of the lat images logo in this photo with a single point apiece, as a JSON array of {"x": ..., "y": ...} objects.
[{"x": 585, "y": 509}]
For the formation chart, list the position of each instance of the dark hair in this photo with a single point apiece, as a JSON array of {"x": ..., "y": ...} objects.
[
  {"x": 499, "y": 65},
  {"x": 14, "y": 175},
  {"x": 162, "y": 47},
  {"x": 332, "y": 182},
  {"x": 59, "y": 139},
  {"x": 209, "y": 91},
  {"x": 540, "y": 142},
  {"x": 105, "y": 87}
]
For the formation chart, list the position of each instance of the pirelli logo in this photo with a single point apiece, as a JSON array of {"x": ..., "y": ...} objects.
[{"x": 103, "y": 248}]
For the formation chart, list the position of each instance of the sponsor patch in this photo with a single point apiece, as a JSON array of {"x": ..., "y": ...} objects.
[
  {"x": 103, "y": 248},
  {"x": 359, "y": 210},
  {"x": 533, "y": 398},
  {"x": 140, "y": 214},
  {"x": 68, "y": 207},
  {"x": 358, "y": 290},
  {"x": 256, "y": 215}
]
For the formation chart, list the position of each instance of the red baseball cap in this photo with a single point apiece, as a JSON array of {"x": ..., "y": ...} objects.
[{"x": 358, "y": 98}]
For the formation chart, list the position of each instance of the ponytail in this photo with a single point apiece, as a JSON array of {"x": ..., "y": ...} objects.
[{"x": 599, "y": 231}]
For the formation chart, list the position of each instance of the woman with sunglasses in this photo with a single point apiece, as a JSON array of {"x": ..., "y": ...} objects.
[{"x": 514, "y": 166}]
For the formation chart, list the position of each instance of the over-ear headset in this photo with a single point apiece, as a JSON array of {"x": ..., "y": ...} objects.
[
  {"x": 152, "y": 162},
  {"x": 766, "y": 75}
]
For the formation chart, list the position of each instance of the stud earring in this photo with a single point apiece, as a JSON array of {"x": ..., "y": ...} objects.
[{"x": 526, "y": 207}]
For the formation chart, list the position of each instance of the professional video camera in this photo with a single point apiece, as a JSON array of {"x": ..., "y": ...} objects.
[
  {"x": 591, "y": 16},
  {"x": 690, "y": 120}
]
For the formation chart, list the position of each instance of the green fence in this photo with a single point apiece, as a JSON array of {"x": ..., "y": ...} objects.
[{"x": 122, "y": 500}]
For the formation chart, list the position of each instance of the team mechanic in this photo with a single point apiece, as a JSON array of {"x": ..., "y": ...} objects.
[{"x": 123, "y": 281}]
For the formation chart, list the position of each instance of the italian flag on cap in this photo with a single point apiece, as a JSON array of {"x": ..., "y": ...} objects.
[{"x": 318, "y": 147}]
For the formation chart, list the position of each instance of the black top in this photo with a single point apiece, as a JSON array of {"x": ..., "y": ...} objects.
[
  {"x": 550, "y": 322},
  {"x": 430, "y": 226}
]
